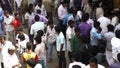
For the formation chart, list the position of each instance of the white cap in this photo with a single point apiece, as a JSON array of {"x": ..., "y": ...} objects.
[
  {"x": 11, "y": 48},
  {"x": 38, "y": 66}
]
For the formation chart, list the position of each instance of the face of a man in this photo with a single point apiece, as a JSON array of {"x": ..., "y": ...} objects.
[
  {"x": 93, "y": 65},
  {"x": 2, "y": 41},
  {"x": 11, "y": 52}
]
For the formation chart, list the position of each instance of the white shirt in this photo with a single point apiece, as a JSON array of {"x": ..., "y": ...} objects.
[
  {"x": 115, "y": 21},
  {"x": 26, "y": 37},
  {"x": 42, "y": 8},
  {"x": 62, "y": 12},
  {"x": 52, "y": 34},
  {"x": 77, "y": 63},
  {"x": 5, "y": 47},
  {"x": 22, "y": 45},
  {"x": 30, "y": 18},
  {"x": 40, "y": 50},
  {"x": 104, "y": 21},
  {"x": 69, "y": 34},
  {"x": 59, "y": 41},
  {"x": 9, "y": 23},
  {"x": 115, "y": 42},
  {"x": 4, "y": 50},
  {"x": 10, "y": 60},
  {"x": 36, "y": 27},
  {"x": 99, "y": 66}
]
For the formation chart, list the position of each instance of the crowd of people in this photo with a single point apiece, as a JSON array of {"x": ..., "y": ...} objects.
[{"x": 84, "y": 31}]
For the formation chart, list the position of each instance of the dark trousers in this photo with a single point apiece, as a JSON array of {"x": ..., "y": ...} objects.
[{"x": 62, "y": 60}]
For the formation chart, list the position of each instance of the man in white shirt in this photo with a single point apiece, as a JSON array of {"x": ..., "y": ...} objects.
[
  {"x": 37, "y": 26},
  {"x": 69, "y": 34},
  {"x": 51, "y": 36},
  {"x": 77, "y": 61},
  {"x": 4, "y": 45},
  {"x": 20, "y": 32},
  {"x": 8, "y": 20},
  {"x": 104, "y": 21},
  {"x": 62, "y": 12},
  {"x": 60, "y": 47},
  {"x": 93, "y": 63},
  {"x": 115, "y": 42},
  {"x": 11, "y": 59}
]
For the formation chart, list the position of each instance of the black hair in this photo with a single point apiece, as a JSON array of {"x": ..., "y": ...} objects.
[
  {"x": 21, "y": 37},
  {"x": 29, "y": 45},
  {"x": 77, "y": 29},
  {"x": 30, "y": 6},
  {"x": 57, "y": 28},
  {"x": 77, "y": 56},
  {"x": 118, "y": 57},
  {"x": 3, "y": 37},
  {"x": 110, "y": 27},
  {"x": 76, "y": 66},
  {"x": 40, "y": 33},
  {"x": 117, "y": 33},
  {"x": 50, "y": 22},
  {"x": 38, "y": 11},
  {"x": 96, "y": 24},
  {"x": 15, "y": 14},
  {"x": 93, "y": 60},
  {"x": 38, "y": 39},
  {"x": 37, "y": 18},
  {"x": 70, "y": 22},
  {"x": 85, "y": 17}
]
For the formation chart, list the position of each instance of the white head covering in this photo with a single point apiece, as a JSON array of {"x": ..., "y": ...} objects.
[
  {"x": 11, "y": 48},
  {"x": 38, "y": 66}
]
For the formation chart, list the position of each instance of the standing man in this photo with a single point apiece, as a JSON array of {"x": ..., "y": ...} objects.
[
  {"x": 4, "y": 45},
  {"x": 60, "y": 47},
  {"x": 62, "y": 12},
  {"x": 36, "y": 26},
  {"x": 8, "y": 20}
]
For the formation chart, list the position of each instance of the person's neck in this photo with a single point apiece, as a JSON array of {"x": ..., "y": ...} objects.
[{"x": 29, "y": 51}]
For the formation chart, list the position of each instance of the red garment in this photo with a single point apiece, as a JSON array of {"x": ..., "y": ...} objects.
[{"x": 16, "y": 24}]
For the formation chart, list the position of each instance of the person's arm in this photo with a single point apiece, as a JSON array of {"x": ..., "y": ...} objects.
[{"x": 97, "y": 35}]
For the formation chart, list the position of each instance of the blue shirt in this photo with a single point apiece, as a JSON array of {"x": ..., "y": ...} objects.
[
  {"x": 95, "y": 36},
  {"x": 65, "y": 20}
]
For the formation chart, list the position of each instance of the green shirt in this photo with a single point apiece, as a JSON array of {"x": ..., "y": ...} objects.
[{"x": 75, "y": 43}]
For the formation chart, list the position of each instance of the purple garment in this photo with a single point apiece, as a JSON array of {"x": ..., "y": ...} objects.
[
  {"x": 85, "y": 30},
  {"x": 6, "y": 6},
  {"x": 41, "y": 19},
  {"x": 115, "y": 65}
]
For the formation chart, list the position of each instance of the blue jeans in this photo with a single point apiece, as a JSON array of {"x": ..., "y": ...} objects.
[{"x": 50, "y": 49}]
